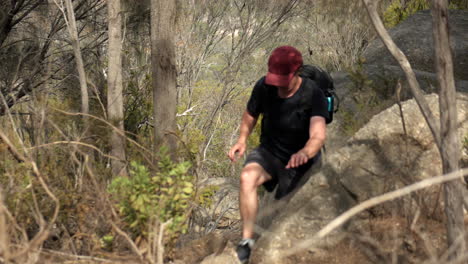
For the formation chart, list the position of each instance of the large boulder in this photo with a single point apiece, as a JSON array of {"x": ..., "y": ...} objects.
[
  {"x": 300, "y": 216},
  {"x": 384, "y": 79},
  {"x": 386, "y": 152},
  {"x": 380, "y": 80},
  {"x": 414, "y": 37}
]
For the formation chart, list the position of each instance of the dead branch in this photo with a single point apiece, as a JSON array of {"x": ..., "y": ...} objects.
[
  {"x": 76, "y": 257},
  {"x": 18, "y": 156},
  {"x": 160, "y": 241},
  {"x": 75, "y": 143},
  {"x": 128, "y": 239}
]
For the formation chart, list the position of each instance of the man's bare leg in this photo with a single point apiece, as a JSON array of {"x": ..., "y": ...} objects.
[{"x": 252, "y": 176}]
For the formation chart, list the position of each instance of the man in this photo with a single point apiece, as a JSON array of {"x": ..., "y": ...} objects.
[{"x": 292, "y": 133}]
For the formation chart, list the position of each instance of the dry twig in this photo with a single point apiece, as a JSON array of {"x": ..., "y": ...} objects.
[{"x": 75, "y": 143}]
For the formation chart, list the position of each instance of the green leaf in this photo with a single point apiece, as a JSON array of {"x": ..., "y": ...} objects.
[
  {"x": 188, "y": 190},
  {"x": 134, "y": 224}
]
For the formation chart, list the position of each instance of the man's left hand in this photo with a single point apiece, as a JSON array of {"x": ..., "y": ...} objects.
[{"x": 298, "y": 159}]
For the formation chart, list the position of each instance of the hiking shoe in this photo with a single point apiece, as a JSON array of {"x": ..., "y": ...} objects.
[{"x": 243, "y": 249}]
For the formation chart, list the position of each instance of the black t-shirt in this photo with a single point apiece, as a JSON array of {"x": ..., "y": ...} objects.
[{"x": 285, "y": 123}]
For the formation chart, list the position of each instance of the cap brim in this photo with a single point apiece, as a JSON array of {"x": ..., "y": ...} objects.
[{"x": 278, "y": 80}]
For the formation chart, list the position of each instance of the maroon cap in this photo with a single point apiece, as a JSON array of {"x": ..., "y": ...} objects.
[{"x": 283, "y": 63}]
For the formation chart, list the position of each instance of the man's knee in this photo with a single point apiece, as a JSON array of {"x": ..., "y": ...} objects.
[{"x": 252, "y": 176}]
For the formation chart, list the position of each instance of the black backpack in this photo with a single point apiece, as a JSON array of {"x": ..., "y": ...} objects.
[{"x": 325, "y": 83}]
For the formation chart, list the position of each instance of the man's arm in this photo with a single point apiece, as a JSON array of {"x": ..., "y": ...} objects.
[
  {"x": 247, "y": 124},
  {"x": 317, "y": 135}
]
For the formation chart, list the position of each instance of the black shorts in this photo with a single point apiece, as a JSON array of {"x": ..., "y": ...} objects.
[{"x": 286, "y": 179}]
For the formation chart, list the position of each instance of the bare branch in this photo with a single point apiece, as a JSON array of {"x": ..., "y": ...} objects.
[
  {"x": 78, "y": 257},
  {"x": 128, "y": 239},
  {"x": 76, "y": 143},
  {"x": 14, "y": 152},
  {"x": 160, "y": 241}
]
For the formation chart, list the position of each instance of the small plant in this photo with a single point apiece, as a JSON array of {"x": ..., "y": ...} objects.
[
  {"x": 164, "y": 195},
  {"x": 396, "y": 13},
  {"x": 107, "y": 241},
  {"x": 205, "y": 196}
]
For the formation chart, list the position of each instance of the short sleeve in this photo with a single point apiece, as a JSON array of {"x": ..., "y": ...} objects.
[
  {"x": 255, "y": 105},
  {"x": 319, "y": 106}
]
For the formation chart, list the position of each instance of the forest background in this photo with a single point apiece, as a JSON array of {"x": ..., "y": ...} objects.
[{"x": 65, "y": 184}]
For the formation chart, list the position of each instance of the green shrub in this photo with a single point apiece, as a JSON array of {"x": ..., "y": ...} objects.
[
  {"x": 395, "y": 13},
  {"x": 205, "y": 196},
  {"x": 164, "y": 195}
]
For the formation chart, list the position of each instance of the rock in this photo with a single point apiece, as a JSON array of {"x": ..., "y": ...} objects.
[
  {"x": 381, "y": 155},
  {"x": 414, "y": 37},
  {"x": 196, "y": 251},
  {"x": 384, "y": 79},
  {"x": 299, "y": 216},
  {"x": 227, "y": 256},
  {"x": 383, "y": 83}
]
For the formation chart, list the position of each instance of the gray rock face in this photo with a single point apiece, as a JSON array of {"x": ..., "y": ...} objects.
[
  {"x": 383, "y": 82},
  {"x": 227, "y": 256},
  {"x": 299, "y": 217},
  {"x": 380, "y": 156},
  {"x": 384, "y": 78},
  {"x": 414, "y": 37}
]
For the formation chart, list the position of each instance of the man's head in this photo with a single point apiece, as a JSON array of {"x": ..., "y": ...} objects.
[{"x": 283, "y": 63}]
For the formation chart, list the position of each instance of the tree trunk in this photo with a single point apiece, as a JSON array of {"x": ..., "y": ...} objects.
[
  {"x": 450, "y": 153},
  {"x": 79, "y": 59},
  {"x": 163, "y": 19},
  {"x": 115, "y": 111}
]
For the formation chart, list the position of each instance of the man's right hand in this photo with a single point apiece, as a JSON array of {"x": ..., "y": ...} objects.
[{"x": 239, "y": 149}]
